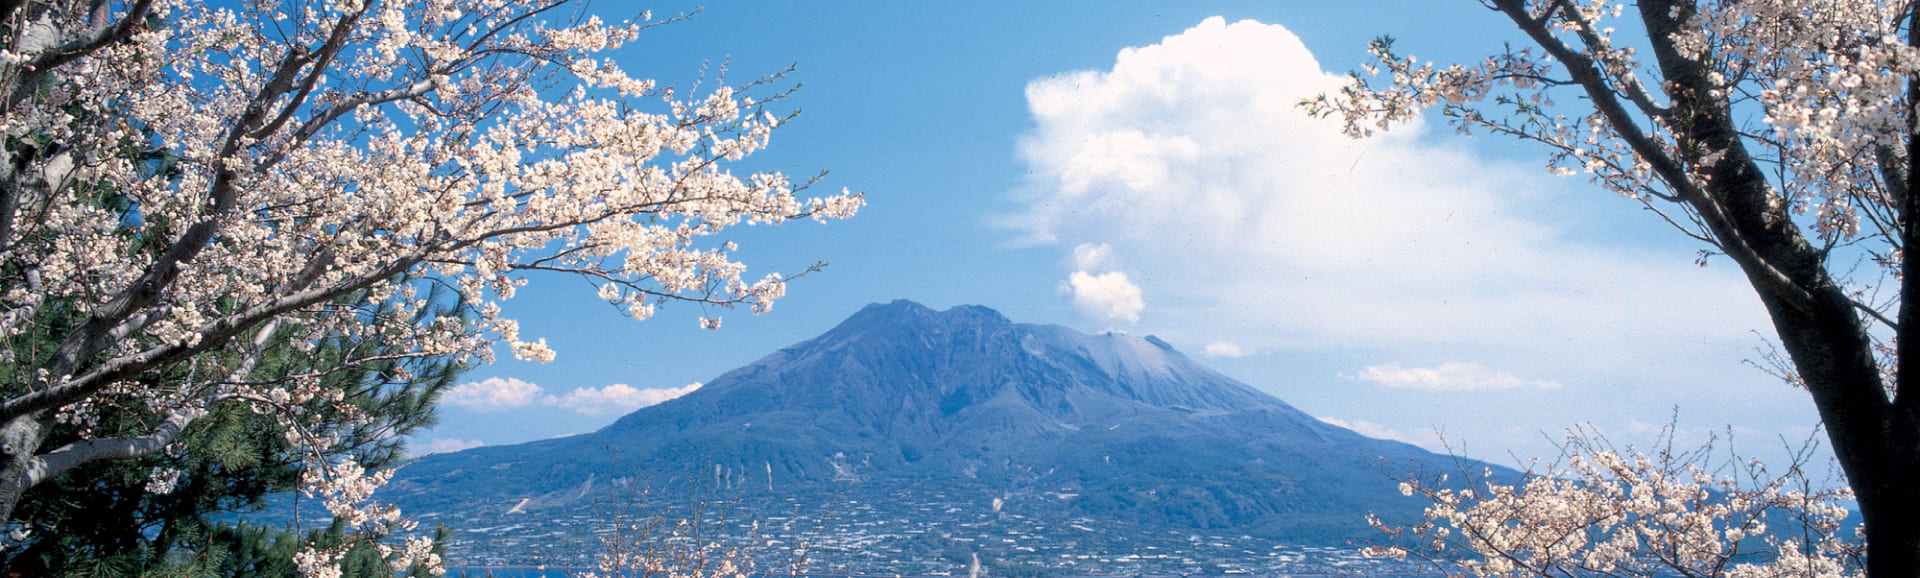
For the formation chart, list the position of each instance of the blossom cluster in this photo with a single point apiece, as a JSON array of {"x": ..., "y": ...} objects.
[
  {"x": 1611, "y": 512},
  {"x": 346, "y": 489},
  {"x": 1831, "y": 77},
  {"x": 1826, "y": 80},
  {"x": 223, "y": 183}
]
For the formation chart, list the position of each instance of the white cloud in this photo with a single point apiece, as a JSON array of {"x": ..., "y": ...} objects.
[
  {"x": 618, "y": 398},
  {"x": 501, "y": 394},
  {"x": 1227, "y": 349},
  {"x": 1107, "y": 296},
  {"x": 492, "y": 394},
  {"x": 1451, "y": 376},
  {"x": 1425, "y": 438},
  {"x": 1252, "y": 223},
  {"x": 1093, "y": 257},
  {"x": 1098, "y": 290},
  {"x": 445, "y": 446}
]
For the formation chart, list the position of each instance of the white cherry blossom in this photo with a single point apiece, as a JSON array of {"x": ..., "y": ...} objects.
[
  {"x": 193, "y": 184},
  {"x": 1781, "y": 134}
]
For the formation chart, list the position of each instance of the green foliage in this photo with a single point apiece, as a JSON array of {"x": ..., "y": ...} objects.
[
  {"x": 241, "y": 550},
  {"x": 101, "y": 519}
]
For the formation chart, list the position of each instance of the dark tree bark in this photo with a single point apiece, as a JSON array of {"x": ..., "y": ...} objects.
[{"x": 1874, "y": 429}]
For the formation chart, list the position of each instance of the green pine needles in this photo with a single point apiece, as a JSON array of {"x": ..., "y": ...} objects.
[{"x": 165, "y": 514}]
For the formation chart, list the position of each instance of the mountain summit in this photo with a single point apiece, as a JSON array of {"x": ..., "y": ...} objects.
[
  {"x": 907, "y": 372},
  {"x": 901, "y": 402}
]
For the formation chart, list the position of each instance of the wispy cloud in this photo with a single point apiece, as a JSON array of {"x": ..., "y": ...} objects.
[
  {"x": 1227, "y": 349},
  {"x": 444, "y": 446},
  {"x": 1451, "y": 376},
  {"x": 1093, "y": 257},
  {"x": 1425, "y": 438}
]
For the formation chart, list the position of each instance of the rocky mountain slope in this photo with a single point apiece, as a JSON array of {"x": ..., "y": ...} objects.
[{"x": 901, "y": 402}]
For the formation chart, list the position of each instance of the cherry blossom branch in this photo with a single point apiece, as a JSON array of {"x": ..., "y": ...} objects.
[
  {"x": 52, "y": 464},
  {"x": 1604, "y": 99},
  {"x": 1600, "y": 47},
  {"x": 214, "y": 334},
  {"x": 319, "y": 58},
  {"x": 356, "y": 363},
  {"x": 89, "y": 338},
  {"x": 291, "y": 187},
  {"x": 1602, "y": 510},
  {"x": 40, "y": 64}
]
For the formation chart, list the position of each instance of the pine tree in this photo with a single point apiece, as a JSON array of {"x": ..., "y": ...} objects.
[{"x": 108, "y": 518}]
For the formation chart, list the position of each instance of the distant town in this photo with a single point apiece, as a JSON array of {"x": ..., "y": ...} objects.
[{"x": 912, "y": 534}]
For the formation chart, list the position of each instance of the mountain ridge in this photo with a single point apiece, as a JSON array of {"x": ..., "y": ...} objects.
[{"x": 900, "y": 399}]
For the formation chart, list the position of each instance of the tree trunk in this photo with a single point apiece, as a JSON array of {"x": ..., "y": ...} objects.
[
  {"x": 1872, "y": 435},
  {"x": 1873, "y": 440},
  {"x": 20, "y": 439},
  {"x": 1890, "y": 502}
]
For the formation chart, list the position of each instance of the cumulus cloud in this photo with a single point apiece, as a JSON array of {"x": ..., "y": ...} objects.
[
  {"x": 1107, "y": 296},
  {"x": 1100, "y": 291},
  {"x": 1451, "y": 376},
  {"x": 1426, "y": 438},
  {"x": 618, "y": 398},
  {"x": 492, "y": 394},
  {"x": 1227, "y": 349},
  {"x": 445, "y": 446},
  {"x": 1266, "y": 228}
]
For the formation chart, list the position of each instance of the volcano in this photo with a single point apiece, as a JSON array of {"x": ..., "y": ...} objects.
[{"x": 901, "y": 405}]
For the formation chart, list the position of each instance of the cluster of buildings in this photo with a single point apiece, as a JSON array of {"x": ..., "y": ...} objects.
[{"x": 908, "y": 533}]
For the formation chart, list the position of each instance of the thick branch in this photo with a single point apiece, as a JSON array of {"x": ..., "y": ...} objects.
[
  {"x": 1634, "y": 90},
  {"x": 40, "y": 64},
  {"x": 91, "y": 337},
  {"x": 214, "y": 334},
  {"x": 1583, "y": 70},
  {"x": 327, "y": 115},
  {"x": 51, "y": 464},
  {"x": 320, "y": 58}
]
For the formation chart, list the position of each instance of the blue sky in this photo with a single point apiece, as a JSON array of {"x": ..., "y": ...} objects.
[{"x": 1141, "y": 167}]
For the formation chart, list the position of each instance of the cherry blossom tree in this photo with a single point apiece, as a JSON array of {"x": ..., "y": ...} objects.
[
  {"x": 1780, "y": 133},
  {"x": 191, "y": 188},
  {"x": 162, "y": 510},
  {"x": 1600, "y": 510}
]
